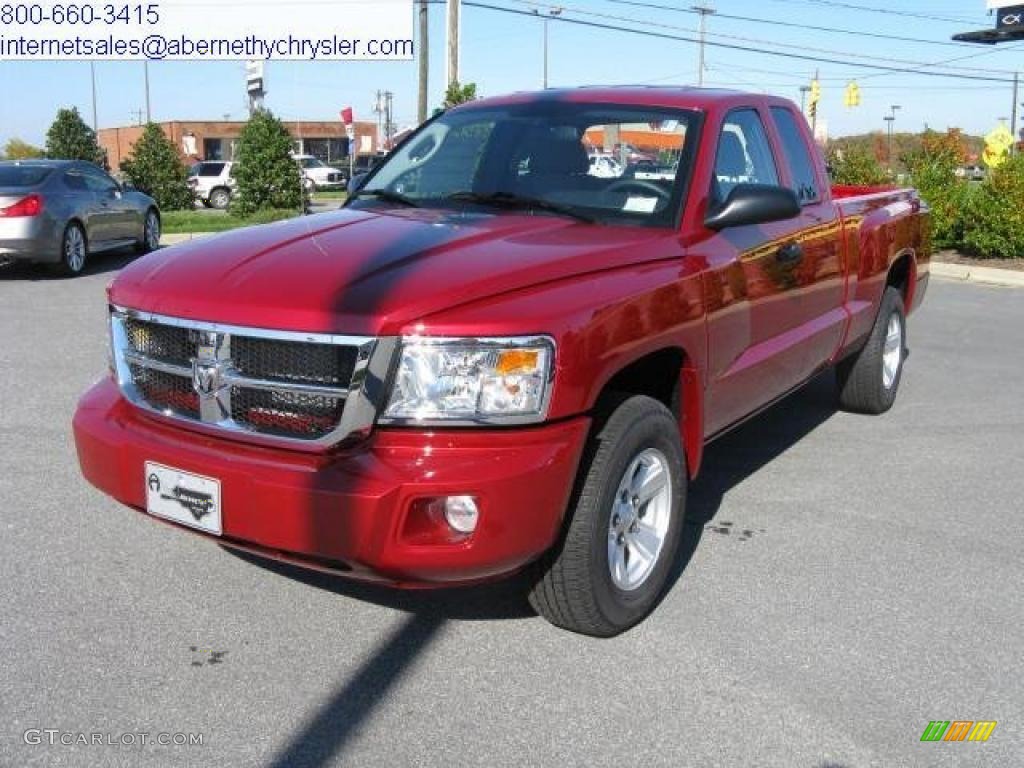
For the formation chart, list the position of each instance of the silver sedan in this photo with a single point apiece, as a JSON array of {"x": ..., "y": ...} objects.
[{"x": 61, "y": 212}]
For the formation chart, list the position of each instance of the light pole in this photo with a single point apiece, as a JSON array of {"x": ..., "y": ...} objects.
[
  {"x": 891, "y": 119},
  {"x": 92, "y": 72},
  {"x": 552, "y": 12},
  {"x": 145, "y": 69},
  {"x": 704, "y": 12}
]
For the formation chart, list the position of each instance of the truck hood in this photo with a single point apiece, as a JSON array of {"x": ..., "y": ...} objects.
[{"x": 373, "y": 271}]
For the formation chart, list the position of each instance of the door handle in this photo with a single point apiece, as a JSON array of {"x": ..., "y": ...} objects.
[{"x": 790, "y": 253}]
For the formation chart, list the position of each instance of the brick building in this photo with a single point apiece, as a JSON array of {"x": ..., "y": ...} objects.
[{"x": 217, "y": 140}]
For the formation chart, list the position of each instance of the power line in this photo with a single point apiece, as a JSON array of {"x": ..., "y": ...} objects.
[
  {"x": 875, "y": 9},
  {"x": 794, "y": 25},
  {"x": 746, "y": 48},
  {"x": 759, "y": 41}
]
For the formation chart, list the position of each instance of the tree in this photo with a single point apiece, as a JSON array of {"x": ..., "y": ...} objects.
[
  {"x": 266, "y": 174},
  {"x": 69, "y": 138},
  {"x": 155, "y": 168},
  {"x": 16, "y": 149},
  {"x": 459, "y": 94}
]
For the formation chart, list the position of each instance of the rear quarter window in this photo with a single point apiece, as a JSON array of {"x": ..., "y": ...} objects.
[
  {"x": 801, "y": 164},
  {"x": 22, "y": 175}
]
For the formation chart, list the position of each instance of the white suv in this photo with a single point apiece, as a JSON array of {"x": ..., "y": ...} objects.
[
  {"x": 316, "y": 174},
  {"x": 213, "y": 183}
]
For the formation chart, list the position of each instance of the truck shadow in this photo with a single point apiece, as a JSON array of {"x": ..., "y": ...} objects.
[
  {"x": 727, "y": 462},
  {"x": 505, "y": 599},
  {"x": 745, "y": 451}
]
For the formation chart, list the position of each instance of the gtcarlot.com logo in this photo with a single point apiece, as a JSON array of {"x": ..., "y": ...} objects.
[
  {"x": 958, "y": 730},
  {"x": 55, "y": 737}
]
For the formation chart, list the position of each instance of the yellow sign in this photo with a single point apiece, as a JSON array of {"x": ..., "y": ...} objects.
[{"x": 997, "y": 146}]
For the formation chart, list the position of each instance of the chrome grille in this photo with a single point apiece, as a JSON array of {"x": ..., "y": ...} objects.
[{"x": 266, "y": 386}]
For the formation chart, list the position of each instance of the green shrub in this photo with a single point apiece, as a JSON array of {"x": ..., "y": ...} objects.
[
  {"x": 69, "y": 138},
  {"x": 155, "y": 168},
  {"x": 994, "y": 220},
  {"x": 855, "y": 165},
  {"x": 267, "y": 175}
]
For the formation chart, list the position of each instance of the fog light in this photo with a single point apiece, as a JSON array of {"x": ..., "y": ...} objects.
[{"x": 461, "y": 513}]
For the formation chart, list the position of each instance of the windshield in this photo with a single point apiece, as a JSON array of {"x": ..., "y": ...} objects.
[
  {"x": 22, "y": 175},
  {"x": 576, "y": 159},
  {"x": 310, "y": 162}
]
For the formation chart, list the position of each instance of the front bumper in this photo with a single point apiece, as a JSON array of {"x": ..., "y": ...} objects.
[{"x": 347, "y": 511}]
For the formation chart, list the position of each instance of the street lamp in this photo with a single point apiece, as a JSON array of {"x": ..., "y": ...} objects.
[
  {"x": 552, "y": 12},
  {"x": 891, "y": 119},
  {"x": 804, "y": 90}
]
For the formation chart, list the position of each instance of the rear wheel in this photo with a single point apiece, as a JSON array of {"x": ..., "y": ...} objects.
[
  {"x": 220, "y": 199},
  {"x": 613, "y": 561},
  {"x": 74, "y": 250},
  {"x": 868, "y": 381}
]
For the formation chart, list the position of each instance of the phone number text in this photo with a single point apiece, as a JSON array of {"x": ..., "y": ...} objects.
[{"x": 80, "y": 15}]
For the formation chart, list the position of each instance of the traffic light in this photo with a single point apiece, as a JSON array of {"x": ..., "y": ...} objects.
[
  {"x": 852, "y": 96},
  {"x": 815, "y": 93}
]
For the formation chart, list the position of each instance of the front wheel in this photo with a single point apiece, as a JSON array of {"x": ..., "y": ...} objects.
[
  {"x": 220, "y": 199},
  {"x": 615, "y": 556},
  {"x": 150, "y": 233},
  {"x": 868, "y": 381}
]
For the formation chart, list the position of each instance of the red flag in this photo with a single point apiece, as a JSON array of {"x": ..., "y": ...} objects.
[{"x": 346, "y": 116}]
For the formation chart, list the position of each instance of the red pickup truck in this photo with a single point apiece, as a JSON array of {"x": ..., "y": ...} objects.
[{"x": 491, "y": 358}]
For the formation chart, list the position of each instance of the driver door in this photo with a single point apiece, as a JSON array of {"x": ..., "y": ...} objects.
[{"x": 755, "y": 312}]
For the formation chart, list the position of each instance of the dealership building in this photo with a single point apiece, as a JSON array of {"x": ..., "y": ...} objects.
[{"x": 218, "y": 140}]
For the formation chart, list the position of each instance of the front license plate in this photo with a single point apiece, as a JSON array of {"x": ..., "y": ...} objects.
[{"x": 185, "y": 498}]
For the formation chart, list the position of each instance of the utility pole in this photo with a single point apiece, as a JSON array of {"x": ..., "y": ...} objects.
[
  {"x": 389, "y": 126},
  {"x": 704, "y": 12},
  {"x": 378, "y": 108},
  {"x": 421, "y": 112},
  {"x": 92, "y": 72},
  {"x": 454, "y": 26},
  {"x": 145, "y": 69},
  {"x": 1013, "y": 119}
]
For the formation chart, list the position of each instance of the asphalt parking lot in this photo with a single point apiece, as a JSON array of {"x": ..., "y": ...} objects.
[{"x": 845, "y": 580}]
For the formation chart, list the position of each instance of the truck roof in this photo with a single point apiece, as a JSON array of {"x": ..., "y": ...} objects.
[{"x": 680, "y": 97}]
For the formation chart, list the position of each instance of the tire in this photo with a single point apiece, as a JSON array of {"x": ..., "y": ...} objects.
[
  {"x": 220, "y": 199},
  {"x": 150, "y": 232},
  {"x": 74, "y": 250},
  {"x": 869, "y": 380},
  {"x": 574, "y": 585}
]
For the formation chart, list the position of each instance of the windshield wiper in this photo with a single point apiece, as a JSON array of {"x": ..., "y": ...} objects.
[
  {"x": 512, "y": 200},
  {"x": 387, "y": 196}
]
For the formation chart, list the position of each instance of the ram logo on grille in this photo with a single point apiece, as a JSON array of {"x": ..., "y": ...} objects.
[{"x": 207, "y": 377}]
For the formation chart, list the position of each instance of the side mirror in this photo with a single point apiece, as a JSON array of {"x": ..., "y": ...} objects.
[
  {"x": 753, "y": 204},
  {"x": 356, "y": 182}
]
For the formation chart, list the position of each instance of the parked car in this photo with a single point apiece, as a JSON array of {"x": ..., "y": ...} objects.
[
  {"x": 491, "y": 361},
  {"x": 317, "y": 174},
  {"x": 61, "y": 212},
  {"x": 213, "y": 183},
  {"x": 366, "y": 163}
]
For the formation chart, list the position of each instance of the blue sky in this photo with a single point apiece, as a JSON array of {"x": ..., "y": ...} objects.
[{"x": 503, "y": 52}]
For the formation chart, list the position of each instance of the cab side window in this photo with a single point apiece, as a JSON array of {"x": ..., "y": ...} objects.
[
  {"x": 805, "y": 180},
  {"x": 744, "y": 153}
]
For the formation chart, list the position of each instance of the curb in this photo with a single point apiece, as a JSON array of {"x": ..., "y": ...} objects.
[
  {"x": 972, "y": 274},
  {"x": 183, "y": 237}
]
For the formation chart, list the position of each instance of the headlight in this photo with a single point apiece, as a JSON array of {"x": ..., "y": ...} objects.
[{"x": 486, "y": 381}]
